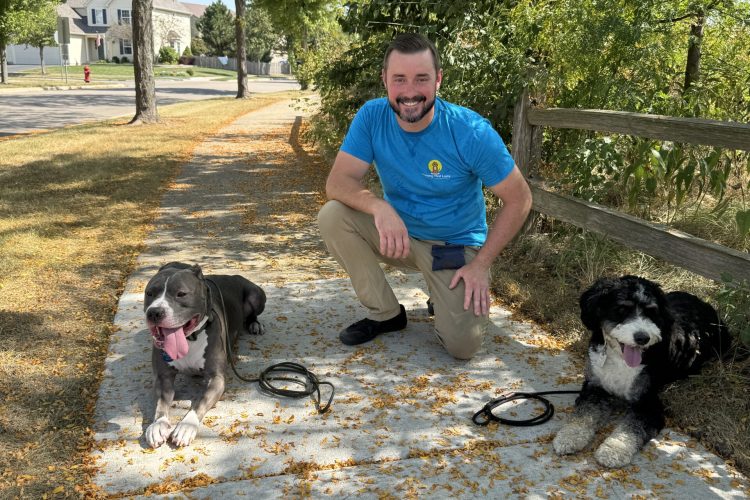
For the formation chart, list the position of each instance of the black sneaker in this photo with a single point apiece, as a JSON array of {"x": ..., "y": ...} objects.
[
  {"x": 365, "y": 330},
  {"x": 430, "y": 308}
]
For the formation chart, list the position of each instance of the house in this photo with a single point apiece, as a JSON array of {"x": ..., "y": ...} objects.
[
  {"x": 101, "y": 29},
  {"x": 196, "y": 10}
]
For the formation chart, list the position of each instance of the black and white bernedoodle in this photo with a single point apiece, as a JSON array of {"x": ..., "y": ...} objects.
[
  {"x": 641, "y": 340},
  {"x": 191, "y": 318}
]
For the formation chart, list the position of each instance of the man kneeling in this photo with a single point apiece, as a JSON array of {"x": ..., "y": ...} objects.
[{"x": 432, "y": 158}]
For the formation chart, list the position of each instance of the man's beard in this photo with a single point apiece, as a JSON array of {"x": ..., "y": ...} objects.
[{"x": 412, "y": 115}]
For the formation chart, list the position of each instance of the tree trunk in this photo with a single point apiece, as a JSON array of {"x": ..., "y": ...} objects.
[
  {"x": 41, "y": 59},
  {"x": 303, "y": 83},
  {"x": 143, "y": 63},
  {"x": 3, "y": 65},
  {"x": 693, "y": 66},
  {"x": 239, "y": 31}
]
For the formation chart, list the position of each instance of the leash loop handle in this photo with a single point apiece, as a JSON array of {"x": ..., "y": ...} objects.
[
  {"x": 310, "y": 383},
  {"x": 484, "y": 416}
]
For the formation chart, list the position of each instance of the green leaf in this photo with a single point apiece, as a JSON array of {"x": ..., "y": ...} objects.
[{"x": 743, "y": 222}]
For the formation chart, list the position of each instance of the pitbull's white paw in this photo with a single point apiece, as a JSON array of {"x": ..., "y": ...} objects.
[
  {"x": 257, "y": 328},
  {"x": 158, "y": 432},
  {"x": 572, "y": 437},
  {"x": 186, "y": 430},
  {"x": 617, "y": 450}
]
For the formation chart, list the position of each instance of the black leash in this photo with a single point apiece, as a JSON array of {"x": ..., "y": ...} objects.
[
  {"x": 488, "y": 416},
  {"x": 309, "y": 381}
]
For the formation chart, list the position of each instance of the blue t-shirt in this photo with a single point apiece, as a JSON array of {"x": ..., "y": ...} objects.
[{"x": 433, "y": 178}]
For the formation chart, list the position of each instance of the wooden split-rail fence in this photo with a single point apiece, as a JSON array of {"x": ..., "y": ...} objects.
[{"x": 676, "y": 247}]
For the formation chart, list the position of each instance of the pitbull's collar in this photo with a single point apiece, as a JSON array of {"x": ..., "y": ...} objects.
[{"x": 199, "y": 328}]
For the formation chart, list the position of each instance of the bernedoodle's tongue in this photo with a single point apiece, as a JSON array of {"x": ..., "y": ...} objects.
[
  {"x": 175, "y": 344},
  {"x": 632, "y": 355}
]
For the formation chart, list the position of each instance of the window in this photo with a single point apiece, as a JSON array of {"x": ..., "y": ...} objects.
[
  {"x": 175, "y": 44},
  {"x": 123, "y": 16},
  {"x": 98, "y": 16},
  {"x": 126, "y": 47}
]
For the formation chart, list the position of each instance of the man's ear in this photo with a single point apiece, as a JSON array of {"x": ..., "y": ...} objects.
[
  {"x": 382, "y": 78},
  {"x": 439, "y": 79}
]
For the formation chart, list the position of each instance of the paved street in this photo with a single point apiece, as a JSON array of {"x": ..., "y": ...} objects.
[{"x": 37, "y": 109}]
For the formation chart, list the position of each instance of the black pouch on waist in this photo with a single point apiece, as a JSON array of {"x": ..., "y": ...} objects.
[{"x": 447, "y": 257}]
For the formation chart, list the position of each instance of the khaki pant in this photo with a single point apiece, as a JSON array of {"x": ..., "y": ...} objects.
[{"x": 353, "y": 240}]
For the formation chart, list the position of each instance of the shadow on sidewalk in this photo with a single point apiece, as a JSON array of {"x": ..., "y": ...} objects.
[{"x": 400, "y": 424}]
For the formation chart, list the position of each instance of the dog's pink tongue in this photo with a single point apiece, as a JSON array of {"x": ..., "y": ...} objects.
[
  {"x": 175, "y": 344},
  {"x": 632, "y": 356}
]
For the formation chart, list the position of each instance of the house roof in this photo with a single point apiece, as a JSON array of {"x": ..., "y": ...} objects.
[
  {"x": 171, "y": 5},
  {"x": 195, "y": 9},
  {"x": 80, "y": 27},
  {"x": 78, "y": 24}
]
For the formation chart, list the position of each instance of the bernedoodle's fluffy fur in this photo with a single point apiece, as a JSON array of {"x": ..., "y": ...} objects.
[{"x": 641, "y": 340}]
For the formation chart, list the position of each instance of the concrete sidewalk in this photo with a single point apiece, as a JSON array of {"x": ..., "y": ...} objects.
[{"x": 400, "y": 423}]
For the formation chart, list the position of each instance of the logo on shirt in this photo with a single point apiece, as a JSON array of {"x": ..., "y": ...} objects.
[{"x": 435, "y": 168}]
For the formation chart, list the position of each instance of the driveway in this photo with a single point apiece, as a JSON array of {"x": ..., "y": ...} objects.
[
  {"x": 35, "y": 110},
  {"x": 18, "y": 68}
]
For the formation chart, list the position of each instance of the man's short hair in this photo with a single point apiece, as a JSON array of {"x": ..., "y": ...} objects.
[{"x": 411, "y": 43}]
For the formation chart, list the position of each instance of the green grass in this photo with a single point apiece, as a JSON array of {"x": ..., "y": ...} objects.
[
  {"x": 106, "y": 72},
  {"x": 72, "y": 222},
  {"x": 542, "y": 275}
]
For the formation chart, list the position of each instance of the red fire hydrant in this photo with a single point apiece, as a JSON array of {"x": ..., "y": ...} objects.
[{"x": 86, "y": 74}]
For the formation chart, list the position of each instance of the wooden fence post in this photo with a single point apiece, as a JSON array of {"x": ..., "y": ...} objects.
[
  {"x": 525, "y": 147},
  {"x": 522, "y": 133}
]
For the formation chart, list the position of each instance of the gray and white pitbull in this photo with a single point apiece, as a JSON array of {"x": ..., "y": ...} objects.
[{"x": 186, "y": 314}]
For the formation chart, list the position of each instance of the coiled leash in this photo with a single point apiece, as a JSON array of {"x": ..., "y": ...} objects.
[
  {"x": 309, "y": 381},
  {"x": 488, "y": 416}
]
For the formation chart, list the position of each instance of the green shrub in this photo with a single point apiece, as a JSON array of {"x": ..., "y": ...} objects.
[
  {"x": 199, "y": 47},
  {"x": 190, "y": 71},
  {"x": 734, "y": 306},
  {"x": 124, "y": 60},
  {"x": 115, "y": 59},
  {"x": 167, "y": 55},
  {"x": 187, "y": 51}
]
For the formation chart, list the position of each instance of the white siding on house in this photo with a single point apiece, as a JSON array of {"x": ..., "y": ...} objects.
[
  {"x": 77, "y": 52},
  {"x": 171, "y": 30},
  {"x": 99, "y": 13},
  {"x": 120, "y": 34}
]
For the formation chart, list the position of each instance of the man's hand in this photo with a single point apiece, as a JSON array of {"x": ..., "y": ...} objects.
[
  {"x": 516, "y": 197},
  {"x": 394, "y": 238},
  {"x": 477, "y": 283}
]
